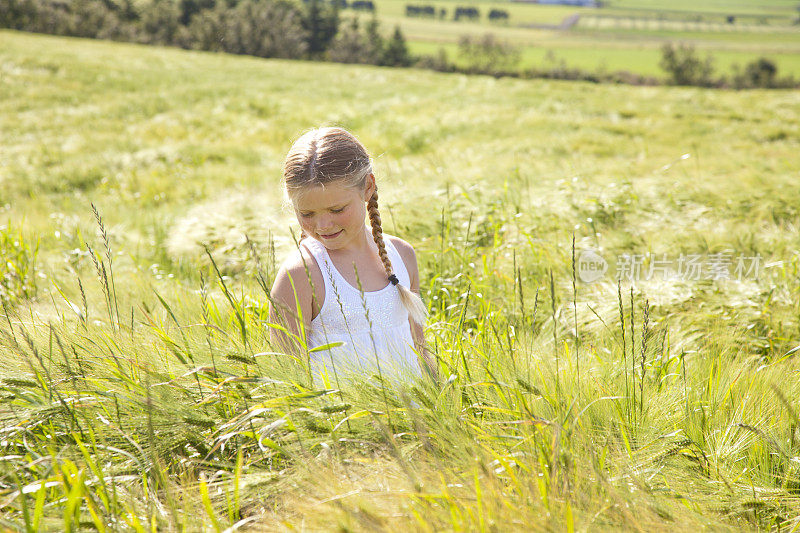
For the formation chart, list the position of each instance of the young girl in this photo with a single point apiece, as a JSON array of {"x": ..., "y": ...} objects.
[{"x": 348, "y": 287}]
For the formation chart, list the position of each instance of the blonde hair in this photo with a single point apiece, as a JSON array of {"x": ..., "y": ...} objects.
[{"x": 326, "y": 155}]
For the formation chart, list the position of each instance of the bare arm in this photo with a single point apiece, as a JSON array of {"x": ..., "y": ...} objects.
[
  {"x": 290, "y": 307},
  {"x": 419, "y": 340}
]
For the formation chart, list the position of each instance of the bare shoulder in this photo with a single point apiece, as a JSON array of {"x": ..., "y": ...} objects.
[
  {"x": 405, "y": 250},
  {"x": 408, "y": 256},
  {"x": 299, "y": 274}
]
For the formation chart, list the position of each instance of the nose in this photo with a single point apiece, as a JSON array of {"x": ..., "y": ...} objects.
[{"x": 324, "y": 222}]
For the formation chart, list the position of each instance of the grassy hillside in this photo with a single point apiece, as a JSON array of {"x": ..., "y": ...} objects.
[{"x": 149, "y": 397}]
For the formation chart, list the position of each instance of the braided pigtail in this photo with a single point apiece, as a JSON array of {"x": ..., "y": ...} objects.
[{"x": 412, "y": 302}]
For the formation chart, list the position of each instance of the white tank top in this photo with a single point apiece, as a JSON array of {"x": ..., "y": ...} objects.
[{"x": 374, "y": 332}]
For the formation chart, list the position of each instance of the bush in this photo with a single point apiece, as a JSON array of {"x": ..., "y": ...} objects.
[
  {"x": 351, "y": 45},
  {"x": 439, "y": 62},
  {"x": 761, "y": 72},
  {"x": 685, "y": 67},
  {"x": 487, "y": 55},
  {"x": 253, "y": 27},
  {"x": 265, "y": 29}
]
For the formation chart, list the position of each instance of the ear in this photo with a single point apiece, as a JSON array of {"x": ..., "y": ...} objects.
[{"x": 370, "y": 190}]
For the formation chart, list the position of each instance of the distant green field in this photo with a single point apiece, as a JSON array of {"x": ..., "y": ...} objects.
[
  {"x": 637, "y": 60},
  {"x": 754, "y": 7},
  {"x": 625, "y": 35}
]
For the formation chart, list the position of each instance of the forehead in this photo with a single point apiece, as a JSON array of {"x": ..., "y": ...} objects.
[{"x": 321, "y": 197}]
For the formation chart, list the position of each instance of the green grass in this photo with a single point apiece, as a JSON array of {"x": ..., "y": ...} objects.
[{"x": 149, "y": 398}]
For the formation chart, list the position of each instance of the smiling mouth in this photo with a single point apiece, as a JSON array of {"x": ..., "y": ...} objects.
[{"x": 332, "y": 235}]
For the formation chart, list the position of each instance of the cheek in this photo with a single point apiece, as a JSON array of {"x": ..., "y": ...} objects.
[
  {"x": 357, "y": 215},
  {"x": 346, "y": 219},
  {"x": 305, "y": 223}
]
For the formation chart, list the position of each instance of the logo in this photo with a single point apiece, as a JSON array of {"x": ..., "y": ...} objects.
[{"x": 591, "y": 266}]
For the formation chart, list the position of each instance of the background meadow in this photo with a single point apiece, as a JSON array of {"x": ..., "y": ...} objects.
[
  {"x": 139, "y": 389},
  {"x": 621, "y": 35}
]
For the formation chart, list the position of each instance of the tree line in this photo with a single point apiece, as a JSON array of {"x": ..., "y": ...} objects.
[
  {"x": 312, "y": 29},
  {"x": 682, "y": 64}
]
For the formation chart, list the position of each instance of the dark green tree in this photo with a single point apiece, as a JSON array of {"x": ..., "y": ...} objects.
[
  {"x": 321, "y": 23},
  {"x": 374, "y": 39},
  {"x": 395, "y": 53},
  {"x": 349, "y": 45},
  {"x": 356, "y": 45},
  {"x": 128, "y": 11},
  {"x": 189, "y": 8},
  {"x": 159, "y": 23},
  {"x": 208, "y": 28}
]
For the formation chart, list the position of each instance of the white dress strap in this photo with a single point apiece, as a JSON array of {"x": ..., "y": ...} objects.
[
  {"x": 398, "y": 265},
  {"x": 332, "y": 275},
  {"x": 326, "y": 267}
]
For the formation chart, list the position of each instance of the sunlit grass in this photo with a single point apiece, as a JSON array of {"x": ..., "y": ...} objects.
[{"x": 139, "y": 388}]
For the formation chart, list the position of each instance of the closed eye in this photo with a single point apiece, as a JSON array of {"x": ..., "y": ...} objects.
[{"x": 337, "y": 210}]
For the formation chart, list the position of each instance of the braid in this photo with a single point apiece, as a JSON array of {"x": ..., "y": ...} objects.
[
  {"x": 411, "y": 301},
  {"x": 377, "y": 234}
]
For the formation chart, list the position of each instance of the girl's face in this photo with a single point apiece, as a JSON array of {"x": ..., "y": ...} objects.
[{"x": 334, "y": 214}]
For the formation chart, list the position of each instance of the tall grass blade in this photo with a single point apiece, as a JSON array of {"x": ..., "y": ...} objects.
[{"x": 107, "y": 245}]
